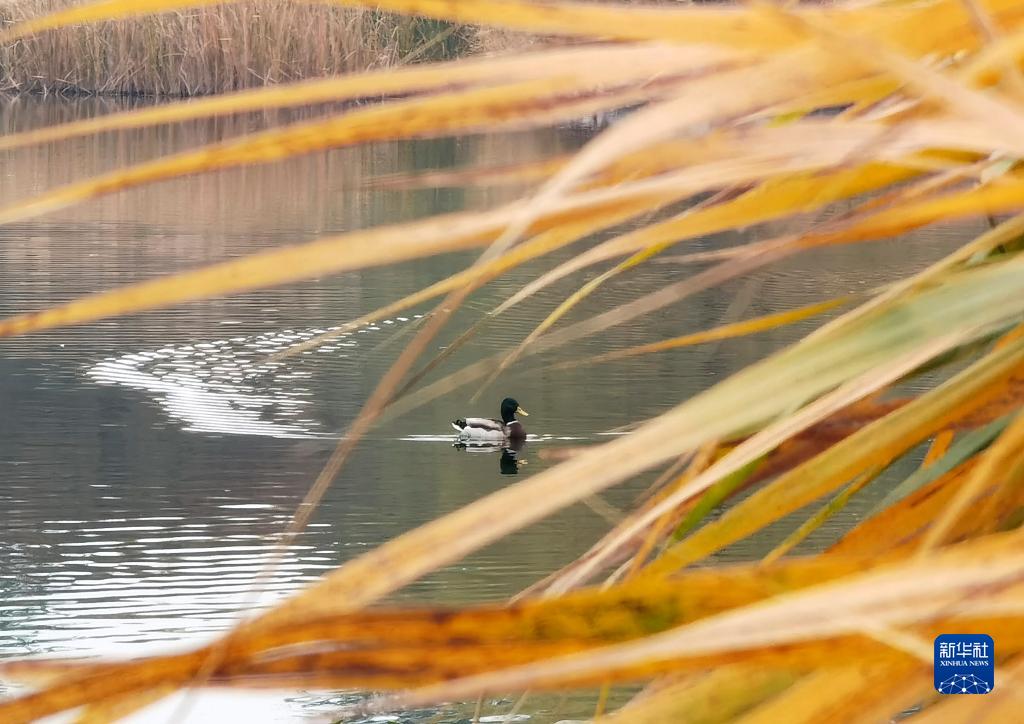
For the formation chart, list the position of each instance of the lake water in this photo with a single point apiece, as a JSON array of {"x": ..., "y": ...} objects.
[{"x": 147, "y": 462}]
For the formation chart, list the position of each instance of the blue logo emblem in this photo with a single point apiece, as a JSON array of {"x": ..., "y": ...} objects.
[{"x": 964, "y": 664}]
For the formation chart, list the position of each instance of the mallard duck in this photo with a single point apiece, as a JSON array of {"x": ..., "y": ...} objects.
[{"x": 487, "y": 429}]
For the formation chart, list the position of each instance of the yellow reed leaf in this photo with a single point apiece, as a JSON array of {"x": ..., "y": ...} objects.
[
  {"x": 714, "y": 415},
  {"x": 278, "y": 266},
  {"x": 382, "y": 83},
  {"x": 526, "y": 631},
  {"x": 539, "y": 245},
  {"x": 119, "y": 707},
  {"x": 741, "y": 29},
  {"x": 453, "y": 112},
  {"x": 836, "y": 694},
  {"x": 737, "y": 27},
  {"x": 1002, "y": 704},
  {"x": 364, "y": 248},
  {"x": 899, "y": 527},
  {"x": 1001, "y": 463},
  {"x": 772, "y": 199},
  {"x": 873, "y": 446},
  {"x": 715, "y": 697},
  {"x": 938, "y": 448},
  {"x": 822, "y": 626},
  {"x": 99, "y": 10},
  {"x": 725, "y": 331}
]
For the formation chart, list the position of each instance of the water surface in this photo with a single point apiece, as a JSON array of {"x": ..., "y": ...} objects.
[{"x": 147, "y": 463}]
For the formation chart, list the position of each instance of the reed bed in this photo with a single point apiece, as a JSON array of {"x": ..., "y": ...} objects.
[
  {"x": 211, "y": 50},
  {"x": 929, "y": 129}
]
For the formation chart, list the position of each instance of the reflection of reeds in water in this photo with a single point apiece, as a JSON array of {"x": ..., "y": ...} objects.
[
  {"x": 304, "y": 195},
  {"x": 207, "y": 50},
  {"x": 312, "y": 193}
]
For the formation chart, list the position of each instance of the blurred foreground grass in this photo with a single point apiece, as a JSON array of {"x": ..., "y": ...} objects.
[{"x": 925, "y": 124}]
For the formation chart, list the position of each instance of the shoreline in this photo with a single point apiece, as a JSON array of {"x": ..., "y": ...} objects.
[
  {"x": 218, "y": 49},
  {"x": 589, "y": 123}
]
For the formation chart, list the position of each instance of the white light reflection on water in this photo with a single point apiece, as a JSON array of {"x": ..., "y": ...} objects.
[{"x": 231, "y": 386}]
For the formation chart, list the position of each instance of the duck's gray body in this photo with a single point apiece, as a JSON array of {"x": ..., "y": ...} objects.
[{"x": 486, "y": 429}]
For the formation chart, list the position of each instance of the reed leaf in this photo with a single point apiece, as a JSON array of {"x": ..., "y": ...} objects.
[
  {"x": 536, "y": 628},
  {"x": 836, "y": 694},
  {"x": 355, "y": 250},
  {"x": 982, "y": 296},
  {"x": 407, "y": 646},
  {"x": 459, "y": 111},
  {"x": 964, "y": 709},
  {"x": 561, "y": 17},
  {"x": 794, "y": 629},
  {"x": 742, "y": 28},
  {"x": 771, "y": 200},
  {"x": 873, "y": 446},
  {"x": 720, "y": 696},
  {"x": 377, "y": 84},
  {"x": 715, "y": 334},
  {"x": 961, "y": 451}
]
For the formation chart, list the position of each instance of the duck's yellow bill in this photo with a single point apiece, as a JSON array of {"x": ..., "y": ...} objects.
[{"x": 521, "y": 411}]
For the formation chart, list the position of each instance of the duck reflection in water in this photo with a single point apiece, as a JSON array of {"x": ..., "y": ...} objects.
[{"x": 508, "y": 463}]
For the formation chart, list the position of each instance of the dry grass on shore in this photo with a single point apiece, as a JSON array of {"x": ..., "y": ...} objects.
[{"x": 210, "y": 50}]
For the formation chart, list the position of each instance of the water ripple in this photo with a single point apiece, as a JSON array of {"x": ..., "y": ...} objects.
[{"x": 231, "y": 386}]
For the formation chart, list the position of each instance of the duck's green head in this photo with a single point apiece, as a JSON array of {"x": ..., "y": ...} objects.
[{"x": 509, "y": 409}]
